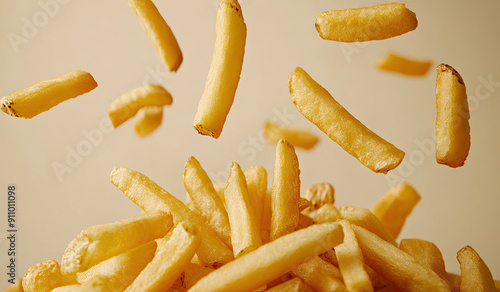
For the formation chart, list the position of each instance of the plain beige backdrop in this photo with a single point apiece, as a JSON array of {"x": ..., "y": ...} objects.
[{"x": 459, "y": 206}]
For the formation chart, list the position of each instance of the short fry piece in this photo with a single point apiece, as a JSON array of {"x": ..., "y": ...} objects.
[
  {"x": 293, "y": 285},
  {"x": 364, "y": 218},
  {"x": 319, "y": 195},
  {"x": 256, "y": 178},
  {"x": 378, "y": 22},
  {"x": 319, "y": 107},
  {"x": 158, "y": 32},
  {"x": 225, "y": 69},
  {"x": 44, "y": 95},
  {"x": 299, "y": 138},
  {"x": 403, "y": 65},
  {"x": 99, "y": 242},
  {"x": 172, "y": 256},
  {"x": 395, "y": 206},
  {"x": 127, "y": 105},
  {"x": 271, "y": 260},
  {"x": 475, "y": 275},
  {"x": 43, "y": 277},
  {"x": 147, "y": 120},
  {"x": 320, "y": 275},
  {"x": 452, "y": 120}
]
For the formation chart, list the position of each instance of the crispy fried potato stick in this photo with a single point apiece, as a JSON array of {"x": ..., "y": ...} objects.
[
  {"x": 319, "y": 107},
  {"x": 244, "y": 231},
  {"x": 265, "y": 228},
  {"x": 96, "y": 284},
  {"x": 475, "y": 275},
  {"x": 149, "y": 196},
  {"x": 123, "y": 268},
  {"x": 43, "y": 277},
  {"x": 101, "y": 242},
  {"x": 378, "y": 22},
  {"x": 271, "y": 260},
  {"x": 286, "y": 191},
  {"x": 147, "y": 120},
  {"x": 395, "y": 206},
  {"x": 193, "y": 273},
  {"x": 396, "y": 63},
  {"x": 172, "y": 256},
  {"x": 256, "y": 178},
  {"x": 320, "y": 275},
  {"x": 452, "y": 120},
  {"x": 319, "y": 195},
  {"x": 158, "y": 32},
  {"x": 395, "y": 265},
  {"x": 299, "y": 138},
  {"x": 127, "y": 105},
  {"x": 327, "y": 213},
  {"x": 44, "y": 95},
  {"x": 205, "y": 199},
  {"x": 364, "y": 218},
  {"x": 293, "y": 285},
  {"x": 220, "y": 187},
  {"x": 304, "y": 221},
  {"x": 225, "y": 70}
]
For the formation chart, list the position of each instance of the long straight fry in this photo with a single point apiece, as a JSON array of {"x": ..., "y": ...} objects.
[{"x": 256, "y": 178}]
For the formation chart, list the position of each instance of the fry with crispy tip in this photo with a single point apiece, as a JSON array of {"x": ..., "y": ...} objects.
[{"x": 475, "y": 275}]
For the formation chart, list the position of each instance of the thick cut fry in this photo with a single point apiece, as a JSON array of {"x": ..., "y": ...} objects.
[
  {"x": 396, "y": 63},
  {"x": 193, "y": 273},
  {"x": 319, "y": 107},
  {"x": 293, "y": 285},
  {"x": 265, "y": 228},
  {"x": 244, "y": 231},
  {"x": 378, "y": 22},
  {"x": 45, "y": 277},
  {"x": 452, "y": 119},
  {"x": 158, "y": 32},
  {"x": 44, "y": 95},
  {"x": 225, "y": 70},
  {"x": 101, "y": 242},
  {"x": 172, "y": 256},
  {"x": 299, "y": 138},
  {"x": 121, "y": 269},
  {"x": 395, "y": 206},
  {"x": 395, "y": 265},
  {"x": 319, "y": 195},
  {"x": 147, "y": 120},
  {"x": 96, "y": 284},
  {"x": 320, "y": 275},
  {"x": 327, "y": 213},
  {"x": 351, "y": 262},
  {"x": 256, "y": 178},
  {"x": 127, "y": 105},
  {"x": 475, "y": 275},
  {"x": 205, "y": 199},
  {"x": 150, "y": 197},
  {"x": 271, "y": 260}
]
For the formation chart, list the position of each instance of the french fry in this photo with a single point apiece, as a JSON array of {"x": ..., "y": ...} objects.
[
  {"x": 150, "y": 197},
  {"x": 205, "y": 199},
  {"x": 147, "y": 120},
  {"x": 293, "y": 285},
  {"x": 320, "y": 275},
  {"x": 364, "y": 218},
  {"x": 172, "y": 256},
  {"x": 256, "y": 178},
  {"x": 452, "y": 119},
  {"x": 96, "y": 284},
  {"x": 244, "y": 230},
  {"x": 304, "y": 204},
  {"x": 378, "y": 22},
  {"x": 265, "y": 227},
  {"x": 220, "y": 187},
  {"x": 193, "y": 273},
  {"x": 44, "y": 277},
  {"x": 127, "y": 105},
  {"x": 158, "y": 32},
  {"x": 395, "y": 265},
  {"x": 44, "y": 95},
  {"x": 121, "y": 270},
  {"x": 318, "y": 106},
  {"x": 396, "y": 63},
  {"x": 299, "y": 138},
  {"x": 225, "y": 69},
  {"x": 395, "y": 206},
  {"x": 475, "y": 275},
  {"x": 286, "y": 191},
  {"x": 327, "y": 213},
  {"x": 319, "y": 195},
  {"x": 304, "y": 221},
  {"x": 271, "y": 260}
]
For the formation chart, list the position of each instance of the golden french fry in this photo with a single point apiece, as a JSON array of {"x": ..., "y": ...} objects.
[
  {"x": 150, "y": 197},
  {"x": 44, "y": 277},
  {"x": 225, "y": 70},
  {"x": 320, "y": 275},
  {"x": 395, "y": 265},
  {"x": 256, "y": 178},
  {"x": 271, "y": 260},
  {"x": 127, "y": 105},
  {"x": 193, "y": 273},
  {"x": 99, "y": 242},
  {"x": 454, "y": 281},
  {"x": 244, "y": 231},
  {"x": 327, "y": 213},
  {"x": 351, "y": 262},
  {"x": 378, "y": 22},
  {"x": 299, "y": 138},
  {"x": 205, "y": 199},
  {"x": 452, "y": 120},
  {"x": 96, "y": 284},
  {"x": 158, "y": 32},
  {"x": 304, "y": 221},
  {"x": 172, "y": 256},
  {"x": 44, "y": 95},
  {"x": 475, "y": 274},
  {"x": 265, "y": 227},
  {"x": 395, "y": 206},
  {"x": 319, "y": 195},
  {"x": 304, "y": 204},
  {"x": 121, "y": 270},
  {"x": 319, "y": 107},
  {"x": 293, "y": 285},
  {"x": 397, "y": 63},
  {"x": 147, "y": 120},
  {"x": 286, "y": 191},
  {"x": 220, "y": 187}
]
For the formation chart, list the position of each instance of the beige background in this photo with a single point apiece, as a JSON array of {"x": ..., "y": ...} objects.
[{"x": 458, "y": 207}]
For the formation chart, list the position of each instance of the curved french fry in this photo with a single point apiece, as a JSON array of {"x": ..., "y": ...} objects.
[{"x": 475, "y": 274}]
